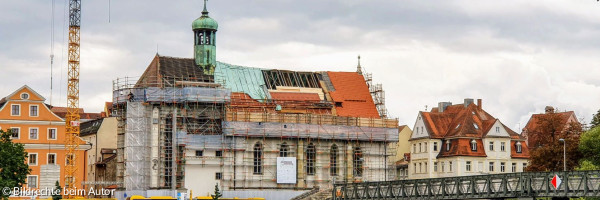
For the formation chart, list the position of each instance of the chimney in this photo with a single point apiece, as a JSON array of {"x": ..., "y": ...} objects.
[
  {"x": 479, "y": 104},
  {"x": 549, "y": 109},
  {"x": 468, "y": 101},
  {"x": 442, "y": 106}
]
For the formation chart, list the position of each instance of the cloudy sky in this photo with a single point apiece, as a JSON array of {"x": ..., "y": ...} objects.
[{"x": 518, "y": 56}]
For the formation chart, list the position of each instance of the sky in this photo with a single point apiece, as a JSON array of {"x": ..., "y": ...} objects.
[{"x": 518, "y": 56}]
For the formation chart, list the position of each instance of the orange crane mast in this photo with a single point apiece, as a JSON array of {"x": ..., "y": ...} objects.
[{"x": 73, "y": 117}]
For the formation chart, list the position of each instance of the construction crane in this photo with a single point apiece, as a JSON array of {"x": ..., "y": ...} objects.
[{"x": 72, "y": 118}]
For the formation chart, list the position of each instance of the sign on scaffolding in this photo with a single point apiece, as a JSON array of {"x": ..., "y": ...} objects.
[{"x": 286, "y": 170}]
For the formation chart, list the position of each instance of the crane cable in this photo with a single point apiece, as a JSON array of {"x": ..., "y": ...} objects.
[{"x": 51, "y": 50}]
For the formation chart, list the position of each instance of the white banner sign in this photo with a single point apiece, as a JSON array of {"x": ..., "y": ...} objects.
[{"x": 286, "y": 170}]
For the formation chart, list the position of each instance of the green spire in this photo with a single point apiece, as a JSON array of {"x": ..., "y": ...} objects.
[
  {"x": 205, "y": 32},
  {"x": 204, "y": 21},
  {"x": 205, "y": 12}
]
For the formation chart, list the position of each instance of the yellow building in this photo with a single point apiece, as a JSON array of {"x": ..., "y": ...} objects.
[{"x": 402, "y": 151}]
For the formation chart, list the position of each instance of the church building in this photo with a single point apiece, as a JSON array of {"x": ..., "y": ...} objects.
[{"x": 188, "y": 124}]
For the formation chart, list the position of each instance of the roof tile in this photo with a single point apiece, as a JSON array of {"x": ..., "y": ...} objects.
[{"x": 352, "y": 92}]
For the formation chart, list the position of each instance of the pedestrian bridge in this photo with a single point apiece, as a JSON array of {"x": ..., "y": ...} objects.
[{"x": 511, "y": 185}]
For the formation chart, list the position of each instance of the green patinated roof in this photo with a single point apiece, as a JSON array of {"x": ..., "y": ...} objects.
[
  {"x": 248, "y": 80},
  {"x": 205, "y": 22}
]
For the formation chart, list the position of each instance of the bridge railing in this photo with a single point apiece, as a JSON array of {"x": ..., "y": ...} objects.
[{"x": 509, "y": 185}]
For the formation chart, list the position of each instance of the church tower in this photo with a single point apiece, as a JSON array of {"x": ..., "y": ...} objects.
[{"x": 205, "y": 50}]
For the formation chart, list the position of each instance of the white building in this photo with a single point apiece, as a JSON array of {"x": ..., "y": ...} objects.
[{"x": 463, "y": 140}]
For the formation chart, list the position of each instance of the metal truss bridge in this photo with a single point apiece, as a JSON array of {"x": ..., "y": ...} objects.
[{"x": 496, "y": 186}]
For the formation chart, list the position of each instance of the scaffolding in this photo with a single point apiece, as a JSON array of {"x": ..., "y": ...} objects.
[
  {"x": 378, "y": 95},
  {"x": 149, "y": 120},
  {"x": 159, "y": 128},
  {"x": 136, "y": 147}
]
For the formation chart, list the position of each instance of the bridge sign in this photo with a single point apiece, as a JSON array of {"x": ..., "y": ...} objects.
[{"x": 556, "y": 181}]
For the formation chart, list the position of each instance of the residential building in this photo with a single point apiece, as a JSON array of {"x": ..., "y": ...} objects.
[
  {"x": 101, "y": 166},
  {"x": 189, "y": 123},
  {"x": 461, "y": 140},
  {"x": 42, "y": 132},
  {"x": 403, "y": 152},
  {"x": 563, "y": 120}
]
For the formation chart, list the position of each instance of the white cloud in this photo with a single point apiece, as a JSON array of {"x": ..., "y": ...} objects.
[{"x": 518, "y": 56}]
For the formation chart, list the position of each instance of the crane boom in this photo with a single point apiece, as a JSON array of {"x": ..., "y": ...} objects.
[{"x": 72, "y": 117}]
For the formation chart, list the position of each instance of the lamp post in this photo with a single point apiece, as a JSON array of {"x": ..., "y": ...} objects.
[{"x": 564, "y": 153}]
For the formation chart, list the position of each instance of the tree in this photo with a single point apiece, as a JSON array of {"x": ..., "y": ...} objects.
[
  {"x": 547, "y": 155},
  {"x": 13, "y": 169},
  {"x": 217, "y": 193},
  {"x": 585, "y": 165},
  {"x": 57, "y": 191},
  {"x": 589, "y": 145},
  {"x": 595, "y": 120}
]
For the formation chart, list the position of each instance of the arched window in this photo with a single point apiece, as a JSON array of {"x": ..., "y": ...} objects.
[
  {"x": 473, "y": 145},
  {"x": 333, "y": 154},
  {"x": 208, "y": 35},
  {"x": 357, "y": 157},
  {"x": 519, "y": 146},
  {"x": 258, "y": 152},
  {"x": 284, "y": 150},
  {"x": 310, "y": 159},
  {"x": 201, "y": 37}
]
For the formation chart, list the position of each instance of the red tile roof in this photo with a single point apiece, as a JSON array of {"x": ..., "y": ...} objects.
[
  {"x": 524, "y": 150},
  {"x": 294, "y": 96},
  {"x": 352, "y": 92},
  {"x": 534, "y": 122},
  {"x": 462, "y": 147},
  {"x": 62, "y": 113},
  {"x": 458, "y": 121},
  {"x": 242, "y": 102},
  {"x": 461, "y": 125}
]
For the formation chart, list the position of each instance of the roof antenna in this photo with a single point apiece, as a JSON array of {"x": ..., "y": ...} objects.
[
  {"x": 358, "y": 68},
  {"x": 108, "y": 11}
]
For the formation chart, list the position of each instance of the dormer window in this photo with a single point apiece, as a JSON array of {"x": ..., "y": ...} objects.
[
  {"x": 473, "y": 145},
  {"x": 475, "y": 125},
  {"x": 457, "y": 126},
  {"x": 519, "y": 146},
  {"x": 448, "y": 143}
]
